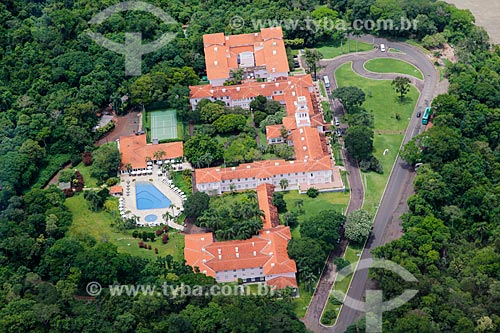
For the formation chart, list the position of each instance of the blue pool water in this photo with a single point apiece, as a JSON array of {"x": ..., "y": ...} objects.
[
  {"x": 151, "y": 218},
  {"x": 147, "y": 196}
]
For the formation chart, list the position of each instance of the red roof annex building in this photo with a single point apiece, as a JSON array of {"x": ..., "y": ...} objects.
[{"x": 263, "y": 257}]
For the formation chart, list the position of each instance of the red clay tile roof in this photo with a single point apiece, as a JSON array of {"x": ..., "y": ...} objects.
[
  {"x": 282, "y": 282},
  {"x": 265, "y": 198},
  {"x": 267, "y": 250},
  {"x": 221, "y": 52},
  {"x": 307, "y": 143},
  {"x": 134, "y": 150},
  {"x": 273, "y": 131},
  {"x": 115, "y": 189},
  {"x": 261, "y": 169}
]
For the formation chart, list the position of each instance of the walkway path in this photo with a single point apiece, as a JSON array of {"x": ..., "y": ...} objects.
[{"x": 399, "y": 187}]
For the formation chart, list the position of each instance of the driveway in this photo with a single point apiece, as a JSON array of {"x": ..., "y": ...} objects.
[{"x": 399, "y": 188}]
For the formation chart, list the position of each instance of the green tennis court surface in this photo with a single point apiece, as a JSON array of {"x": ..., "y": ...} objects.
[{"x": 163, "y": 124}]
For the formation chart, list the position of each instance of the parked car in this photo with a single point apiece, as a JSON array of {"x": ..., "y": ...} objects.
[
  {"x": 336, "y": 120},
  {"x": 339, "y": 131},
  {"x": 382, "y": 47},
  {"x": 419, "y": 114}
]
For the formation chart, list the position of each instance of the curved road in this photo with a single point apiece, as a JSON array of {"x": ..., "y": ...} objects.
[{"x": 399, "y": 186}]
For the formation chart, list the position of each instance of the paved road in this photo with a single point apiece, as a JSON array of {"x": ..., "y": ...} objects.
[{"x": 399, "y": 188}]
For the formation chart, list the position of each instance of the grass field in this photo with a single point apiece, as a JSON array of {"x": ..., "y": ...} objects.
[
  {"x": 389, "y": 131},
  {"x": 85, "y": 172},
  {"x": 352, "y": 254},
  {"x": 332, "y": 50},
  {"x": 99, "y": 226},
  {"x": 312, "y": 206},
  {"x": 385, "y": 65},
  {"x": 322, "y": 88}
]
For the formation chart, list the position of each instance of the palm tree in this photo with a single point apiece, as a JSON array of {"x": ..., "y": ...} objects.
[
  {"x": 167, "y": 216},
  {"x": 252, "y": 196},
  {"x": 283, "y": 183},
  {"x": 174, "y": 207},
  {"x": 299, "y": 204},
  {"x": 128, "y": 166},
  {"x": 159, "y": 154},
  {"x": 148, "y": 159}
]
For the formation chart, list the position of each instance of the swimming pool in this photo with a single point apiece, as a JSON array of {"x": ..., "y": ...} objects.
[{"x": 147, "y": 196}]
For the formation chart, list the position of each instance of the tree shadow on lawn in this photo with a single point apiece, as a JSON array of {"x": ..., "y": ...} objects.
[{"x": 404, "y": 101}]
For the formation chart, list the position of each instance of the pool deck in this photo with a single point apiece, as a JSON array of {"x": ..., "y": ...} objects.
[{"x": 131, "y": 205}]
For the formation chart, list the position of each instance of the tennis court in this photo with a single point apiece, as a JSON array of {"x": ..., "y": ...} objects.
[{"x": 163, "y": 124}]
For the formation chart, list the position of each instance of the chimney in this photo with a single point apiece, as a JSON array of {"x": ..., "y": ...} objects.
[
  {"x": 237, "y": 255},
  {"x": 219, "y": 251},
  {"x": 274, "y": 52},
  {"x": 220, "y": 257},
  {"x": 236, "y": 249},
  {"x": 216, "y": 49},
  {"x": 216, "y": 62},
  {"x": 254, "y": 253}
]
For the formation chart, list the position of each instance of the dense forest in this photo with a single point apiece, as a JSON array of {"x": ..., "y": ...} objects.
[{"x": 54, "y": 80}]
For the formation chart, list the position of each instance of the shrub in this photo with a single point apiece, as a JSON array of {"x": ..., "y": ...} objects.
[
  {"x": 164, "y": 238},
  {"x": 159, "y": 232},
  {"x": 156, "y": 250},
  {"x": 87, "y": 158},
  {"x": 76, "y": 159},
  {"x": 135, "y": 233},
  {"x": 365, "y": 165},
  {"x": 149, "y": 247},
  {"x": 112, "y": 181},
  {"x": 312, "y": 192},
  {"x": 78, "y": 183},
  {"x": 68, "y": 193},
  {"x": 142, "y": 245},
  {"x": 341, "y": 263}
]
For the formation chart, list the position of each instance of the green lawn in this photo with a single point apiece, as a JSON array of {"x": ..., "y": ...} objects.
[
  {"x": 312, "y": 206},
  {"x": 98, "y": 225},
  {"x": 389, "y": 131},
  {"x": 322, "y": 88},
  {"x": 301, "y": 303},
  {"x": 331, "y": 50},
  {"x": 352, "y": 253},
  {"x": 386, "y": 65},
  {"x": 85, "y": 172}
]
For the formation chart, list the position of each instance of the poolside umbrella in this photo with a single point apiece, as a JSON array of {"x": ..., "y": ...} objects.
[
  {"x": 159, "y": 162},
  {"x": 150, "y": 163},
  {"x": 150, "y": 167}
]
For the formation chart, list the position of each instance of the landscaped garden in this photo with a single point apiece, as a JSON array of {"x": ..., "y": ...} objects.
[
  {"x": 307, "y": 208},
  {"x": 331, "y": 50},
  {"x": 101, "y": 225},
  {"x": 386, "y": 65},
  {"x": 390, "y": 119}
]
